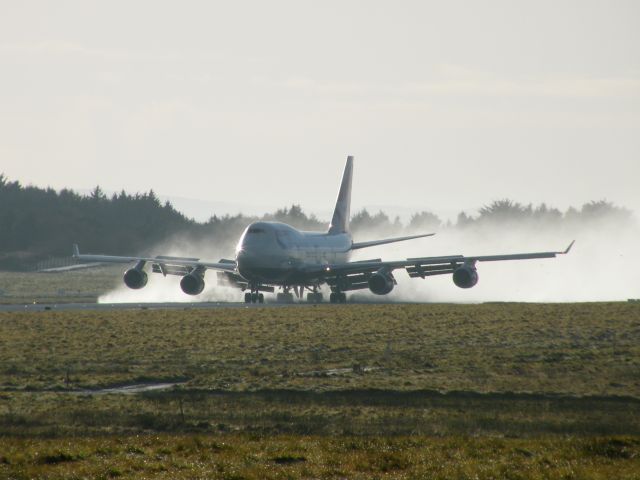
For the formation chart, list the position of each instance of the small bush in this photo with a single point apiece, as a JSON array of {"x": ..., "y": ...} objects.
[
  {"x": 615, "y": 448},
  {"x": 288, "y": 459},
  {"x": 59, "y": 457},
  {"x": 114, "y": 473}
]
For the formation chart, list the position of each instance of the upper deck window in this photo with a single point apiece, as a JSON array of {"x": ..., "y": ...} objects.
[{"x": 256, "y": 230}]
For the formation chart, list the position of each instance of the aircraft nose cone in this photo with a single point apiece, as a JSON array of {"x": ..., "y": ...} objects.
[
  {"x": 244, "y": 259},
  {"x": 248, "y": 265},
  {"x": 241, "y": 256}
]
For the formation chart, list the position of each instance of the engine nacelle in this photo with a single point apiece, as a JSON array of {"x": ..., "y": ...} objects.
[
  {"x": 192, "y": 284},
  {"x": 465, "y": 276},
  {"x": 135, "y": 278},
  {"x": 380, "y": 283}
]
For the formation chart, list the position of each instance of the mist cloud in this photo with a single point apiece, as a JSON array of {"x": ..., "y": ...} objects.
[{"x": 602, "y": 266}]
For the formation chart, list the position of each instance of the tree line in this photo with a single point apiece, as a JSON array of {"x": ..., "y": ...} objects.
[{"x": 39, "y": 223}]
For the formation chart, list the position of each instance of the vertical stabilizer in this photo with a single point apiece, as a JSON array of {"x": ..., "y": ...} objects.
[{"x": 342, "y": 213}]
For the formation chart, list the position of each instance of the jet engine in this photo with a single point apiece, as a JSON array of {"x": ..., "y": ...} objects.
[
  {"x": 192, "y": 284},
  {"x": 135, "y": 278},
  {"x": 381, "y": 283},
  {"x": 465, "y": 276}
]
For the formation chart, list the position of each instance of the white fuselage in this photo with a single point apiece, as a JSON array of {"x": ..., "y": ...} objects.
[{"x": 274, "y": 253}]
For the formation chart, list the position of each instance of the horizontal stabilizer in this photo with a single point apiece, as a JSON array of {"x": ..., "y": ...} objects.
[{"x": 373, "y": 243}]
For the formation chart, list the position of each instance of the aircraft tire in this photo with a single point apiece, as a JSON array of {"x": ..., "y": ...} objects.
[
  {"x": 314, "y": 297},
  {"x": 247, "y": 297},
  {"x": 260, "y": 298},
  {"x": 284, "y": 297}
]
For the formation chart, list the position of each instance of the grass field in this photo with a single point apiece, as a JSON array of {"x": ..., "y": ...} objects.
[
  {"x": 357, "y": 391},
  {"x": 286, "y": 457},
  {"x": 575, "y": 349}
]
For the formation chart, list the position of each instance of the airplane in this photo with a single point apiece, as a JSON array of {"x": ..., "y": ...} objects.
[{"x": 272, "y": 255}]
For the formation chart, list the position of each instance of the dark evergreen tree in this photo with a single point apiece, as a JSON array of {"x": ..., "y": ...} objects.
[
  {"x": 37, "y": 223},
  {"x": 424, "y": 221}
]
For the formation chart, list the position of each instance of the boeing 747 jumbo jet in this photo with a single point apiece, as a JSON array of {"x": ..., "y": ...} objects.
[{"x": 274, "y": 255}]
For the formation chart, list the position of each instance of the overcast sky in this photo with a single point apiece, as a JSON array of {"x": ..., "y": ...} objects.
[{"x": 445, "y": 105}]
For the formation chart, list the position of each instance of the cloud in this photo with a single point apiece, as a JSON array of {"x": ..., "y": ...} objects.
[
  {"x": 72, "y": 49},
  {"x": 59, "y": 47},
  {"x": 459, "y": 81}
]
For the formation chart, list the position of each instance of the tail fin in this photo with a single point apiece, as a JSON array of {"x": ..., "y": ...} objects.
[{"x": 342, "y": 212}]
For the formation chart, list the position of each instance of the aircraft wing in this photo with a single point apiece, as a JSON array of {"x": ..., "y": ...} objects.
[
  {"x": 373, "y": 243},
  {"x": 164, "y": 263},
  {"x": 426, "y": 266}
]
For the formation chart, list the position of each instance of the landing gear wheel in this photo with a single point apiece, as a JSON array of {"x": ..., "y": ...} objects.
[
  {"x": 247, "y": 297},
  {"x": 338, "y": 297},
  {"x": 254, "y": 297},
  {"x": 314, "y": 297},
  {"x": 260, "y": 298},
  {"x": 284, "y": 297}
]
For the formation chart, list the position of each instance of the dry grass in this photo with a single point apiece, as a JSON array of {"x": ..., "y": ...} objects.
[
  {"x": 574, "y": 349},
  {"x": 363, "y": 391},
  {"x": 351, "y": 412},
  {"x": 501, "y": 369}
]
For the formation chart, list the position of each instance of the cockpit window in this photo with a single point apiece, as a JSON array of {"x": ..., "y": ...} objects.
[{"x": 256, "y": 230}]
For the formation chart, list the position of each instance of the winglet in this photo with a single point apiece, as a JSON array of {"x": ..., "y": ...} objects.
[
  {"x": 569, "y": 247},
  {"x": 76, "y": 251}
]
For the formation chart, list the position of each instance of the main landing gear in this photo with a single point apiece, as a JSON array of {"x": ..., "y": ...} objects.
[
  {"x": 287, "y": 297},
  {"x": 338, "y": 297},
  {"x": 284, "y": 297},
  {"x": 253, "y": 297},
  {"x": 314, "y": 297}
]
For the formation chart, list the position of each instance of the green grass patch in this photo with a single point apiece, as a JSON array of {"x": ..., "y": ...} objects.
[
  {"x": 569, "y": 349},
  {"x": 359, "y": 391},
  {"x": 284, "y": 456},
  {"x": 77, "y": 286}
]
